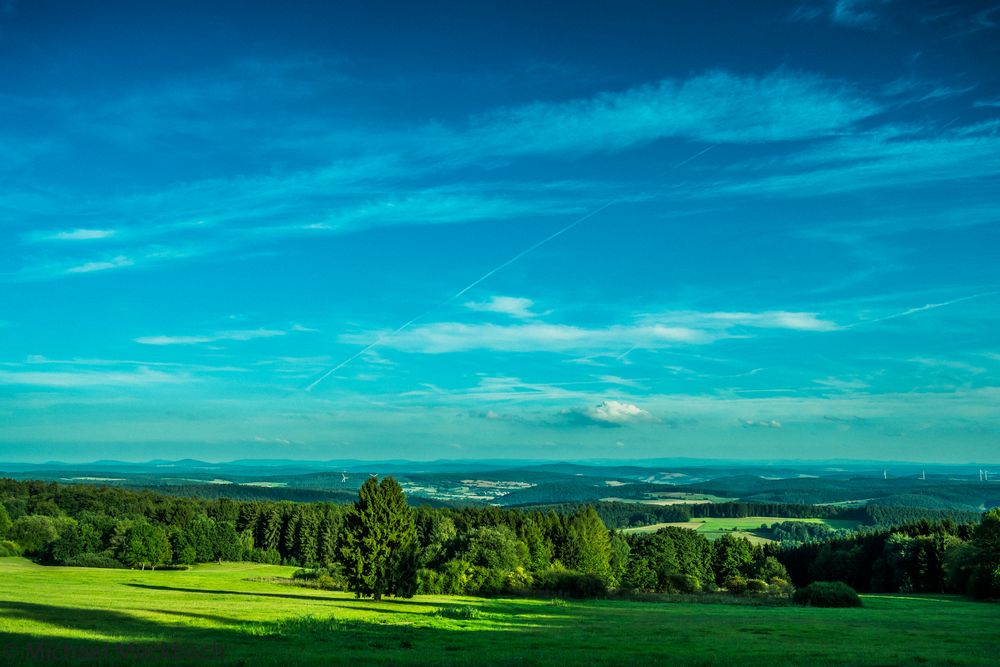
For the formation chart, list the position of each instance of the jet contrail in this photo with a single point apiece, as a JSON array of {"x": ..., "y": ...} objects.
[
  {"x": 920, "y": 309},
  {"x": 538, "y": 244}
]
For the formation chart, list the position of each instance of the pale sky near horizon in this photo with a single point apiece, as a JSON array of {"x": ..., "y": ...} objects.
[{"x": 443, "y": 230}]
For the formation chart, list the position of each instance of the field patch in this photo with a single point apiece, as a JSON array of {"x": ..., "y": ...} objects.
[{"x": 715, "y": 527}]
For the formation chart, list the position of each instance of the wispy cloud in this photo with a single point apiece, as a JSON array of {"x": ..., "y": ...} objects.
[
  {"x": 878, "y": 160},
  {"x": 760, "y": 423},
  {"x": 218, "y": 336},
  {"x": 445, "y": 337},
  {"x": 659, "y": 331},
  {"x": 716, "y": 107},
  {"x": 117, "y": 262},
  {"x": 90, "y": 378},
  {"x": 513, "y": 306},
  {"x": 863, "y": 13},
  {"x": 849, "y": 13},
  {"x": 770, "y": 319},
  {"x": 413, "y": 176},
  {"x": 77, "y": 235}
]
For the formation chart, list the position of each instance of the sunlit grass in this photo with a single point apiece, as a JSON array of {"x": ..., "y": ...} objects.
[{"x": 214, "y": 609}]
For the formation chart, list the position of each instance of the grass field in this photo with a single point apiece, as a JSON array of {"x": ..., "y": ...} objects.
[
  {"x": 715, "y": 527},
  {"x": 212, "y": 614}
]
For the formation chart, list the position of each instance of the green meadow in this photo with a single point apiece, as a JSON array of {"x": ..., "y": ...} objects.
[
  {"x": 233, "y": 614},
  {"x": 715, "y": 527}
]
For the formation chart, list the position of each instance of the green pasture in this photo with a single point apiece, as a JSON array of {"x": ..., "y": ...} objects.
[
  {"x": 715, "y": 527},
  {"x": 215, "y": 614}
]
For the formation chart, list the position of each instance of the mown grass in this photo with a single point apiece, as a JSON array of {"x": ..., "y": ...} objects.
[{"x": 212, "y": 614}]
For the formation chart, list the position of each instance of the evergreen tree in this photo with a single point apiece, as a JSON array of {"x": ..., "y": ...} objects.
[
  {"x": 306, "y": 543},
  {"x": 379, "y": 543},
  {"x": 272, "y": 529}
]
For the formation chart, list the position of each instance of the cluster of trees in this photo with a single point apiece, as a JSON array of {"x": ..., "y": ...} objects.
[
  {"x": 381, "y": 546},
  {"x": 926, "y": 556},
  {"x": 794, "y": 532}
]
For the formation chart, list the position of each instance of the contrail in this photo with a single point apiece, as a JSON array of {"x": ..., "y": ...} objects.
[
  {"x": 527, "y": 251},
  {"x": 920, "y": 309}
]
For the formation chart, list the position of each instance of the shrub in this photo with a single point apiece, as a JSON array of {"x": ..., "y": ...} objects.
[
  {"x": 735, "y": 585},
  {"x": 463, "y": 613},
  {"x": 684, "y": 583},
  {"x": 827, "y": 594},
  {"x": 265, "y": 556},
  {"x": 486, "y": 581},
  {"x": 8, "y": 548},
  {"x": 779, "y": 587},
  {"x": 327, "y": 578},
  {"x": 429, "y": 582},
  {"x": 756, "y": 586},
  {"x": 93, "y": 560},
  {"x": 519, "y": 580},
  {"x": 569, "y": 583}
]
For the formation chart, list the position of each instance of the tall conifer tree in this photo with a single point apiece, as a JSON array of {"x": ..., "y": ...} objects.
[{"x": 379, "y": 544}]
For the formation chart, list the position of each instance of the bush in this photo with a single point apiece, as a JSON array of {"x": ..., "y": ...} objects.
[
  {"x": 486, "y": 581},
  {"x": 93, "y": 560},
  {"x": 8, "y": 548},
  {"x": 827, "y": 594},
  {"x": 265, "y": 556},
  {"x": 756, "y": 586},
  {"x": 463, "y": 613},
  {"x": 429, "y": 582},
  {"x": 519, "y": 580},
  {"x": 684, "y": 583},
  {"x": 569, "y": 583},
  {"x": 327, "y": 578},
  {"x": 735, "y": 585}
]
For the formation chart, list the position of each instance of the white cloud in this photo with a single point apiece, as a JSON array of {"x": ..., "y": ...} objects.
[
  {"x": 80, "y": 235},
  {"x": 658, "y": 331},
  {"x": 240, "y": 335},
  {"x": 114, "y": 263},
  {"x": 76, "y": 379},
  {"x": 616, "y": 413},
  {"x": 507, "y": 305},
  {"x": 442, "y": 337},
  {"x": 761, "y": 423},
  {"x": 771, "y": 319}
]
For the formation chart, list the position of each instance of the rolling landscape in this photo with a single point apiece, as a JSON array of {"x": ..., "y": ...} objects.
[{"x": 360, "y": 332}]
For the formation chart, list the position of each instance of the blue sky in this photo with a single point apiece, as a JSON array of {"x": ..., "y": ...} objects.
[{"x": 442, "y": 230}]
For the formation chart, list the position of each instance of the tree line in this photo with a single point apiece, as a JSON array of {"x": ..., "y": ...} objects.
[
  {"x": 473, "y": 550},
  {"x": 924, "y": 557}
]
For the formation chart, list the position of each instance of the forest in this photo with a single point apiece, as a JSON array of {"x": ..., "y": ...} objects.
[{"x": 565, "y": 549}]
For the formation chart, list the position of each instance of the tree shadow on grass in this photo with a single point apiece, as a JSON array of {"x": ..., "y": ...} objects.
[
  {"x": 135, "y": 640},
  {"x": 351, "y": 602}
]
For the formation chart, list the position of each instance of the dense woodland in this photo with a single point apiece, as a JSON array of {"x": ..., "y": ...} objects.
[
  {"x": 486, "y": 550},
  {"x": 627, "y": 515}
]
